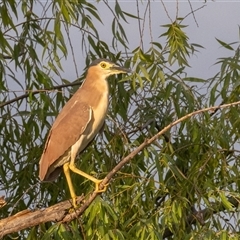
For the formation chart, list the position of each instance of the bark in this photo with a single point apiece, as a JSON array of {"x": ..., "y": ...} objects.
[{"x": 30, "y": 218}]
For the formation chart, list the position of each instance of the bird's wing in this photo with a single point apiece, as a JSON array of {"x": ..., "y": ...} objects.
[{"x": 66, "y": 130}]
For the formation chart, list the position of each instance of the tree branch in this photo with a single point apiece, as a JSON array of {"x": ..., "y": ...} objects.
[
  {"x": 59, "y": 212},
  {"x": 34, "y": 92},
  {"x": 29, "y": 218}
]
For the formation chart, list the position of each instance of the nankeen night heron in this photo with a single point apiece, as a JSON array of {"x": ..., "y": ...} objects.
[{"x": 77, "y": 124}]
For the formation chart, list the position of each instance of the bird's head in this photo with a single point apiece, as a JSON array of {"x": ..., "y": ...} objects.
[{"x": 106, "y": 68}]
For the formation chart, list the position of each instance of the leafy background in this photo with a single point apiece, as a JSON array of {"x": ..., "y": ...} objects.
[{"x": 185, "y": 185}]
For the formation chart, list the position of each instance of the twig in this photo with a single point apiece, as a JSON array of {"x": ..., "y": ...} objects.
[{"x": 34, "y": 92}]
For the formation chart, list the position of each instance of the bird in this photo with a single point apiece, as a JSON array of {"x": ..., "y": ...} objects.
[{"x": 77, "y": 124}]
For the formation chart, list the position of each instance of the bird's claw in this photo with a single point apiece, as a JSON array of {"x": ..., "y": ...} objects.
[{"x": 97, "y": 188}]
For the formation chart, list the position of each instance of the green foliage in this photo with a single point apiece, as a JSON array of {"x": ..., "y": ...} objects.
[
  {"x": 193, "y": 168},
  {"x": 177, "y": 43}
]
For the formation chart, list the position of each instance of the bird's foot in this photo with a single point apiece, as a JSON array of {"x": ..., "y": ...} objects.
[
  {"x": 77, "y": 201},
  {"x": 74, "y": 202},
  {"x": 97, "y": 187},
  {"x": 74, "y": 206}
]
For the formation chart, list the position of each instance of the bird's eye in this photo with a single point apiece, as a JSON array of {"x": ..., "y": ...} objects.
[{"x": 103, "y": 65}]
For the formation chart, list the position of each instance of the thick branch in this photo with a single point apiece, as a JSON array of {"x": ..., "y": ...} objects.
[
  {"x": 28, "y": 218},
  {"x": 59, "y": 212}
]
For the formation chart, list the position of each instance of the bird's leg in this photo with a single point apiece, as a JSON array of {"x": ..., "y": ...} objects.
[
  {"x": 97, "y": 182},
  {"x": 70, "y": 185}
]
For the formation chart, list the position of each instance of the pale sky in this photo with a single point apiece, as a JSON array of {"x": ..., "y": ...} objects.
[{"x": 218, "y": 19}]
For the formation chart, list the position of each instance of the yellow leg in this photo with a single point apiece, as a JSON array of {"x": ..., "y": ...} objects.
[
  {"x": 97, "y": 182},
  {"x": 70, "y": 185}
]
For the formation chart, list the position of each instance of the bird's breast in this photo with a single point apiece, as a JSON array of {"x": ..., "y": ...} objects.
[
  {"x": 100, "y": 112},
  {"x": 98, "y": 101}
]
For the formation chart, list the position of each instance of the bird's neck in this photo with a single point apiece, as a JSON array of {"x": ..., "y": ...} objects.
[
  {"x": 97, "y": 82},
  {"x": 97, "y": 92}
]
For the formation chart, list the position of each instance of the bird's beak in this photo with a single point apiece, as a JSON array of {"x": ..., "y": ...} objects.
[{"x": 119, "y": 69}]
